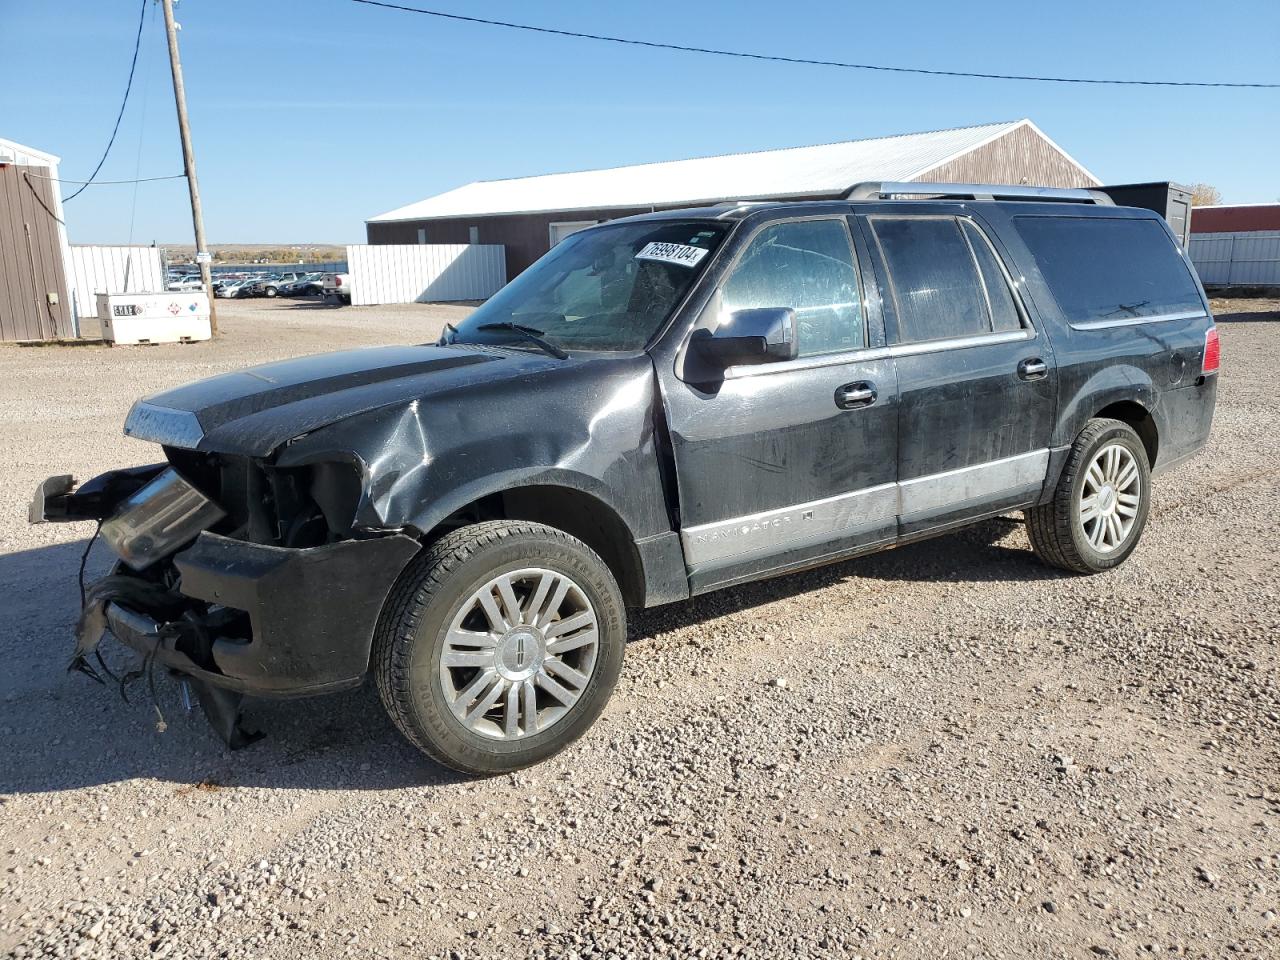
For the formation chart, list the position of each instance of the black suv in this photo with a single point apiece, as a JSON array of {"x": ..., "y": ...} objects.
[{"x": 660, "y": 406}]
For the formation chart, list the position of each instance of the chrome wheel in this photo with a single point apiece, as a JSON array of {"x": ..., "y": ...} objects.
[
  {"x": 1110, "y": 497},
  {"x": 519, "y": 654}
]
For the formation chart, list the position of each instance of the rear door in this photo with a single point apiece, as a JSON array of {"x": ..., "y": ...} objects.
[
  {"x": 976, "y": 379},
  {"x": 785, "y": 463}
]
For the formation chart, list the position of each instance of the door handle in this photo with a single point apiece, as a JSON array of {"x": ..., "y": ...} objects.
[
  {"x": 1033, "y": 368},
  {"x": 852, "y": 395}
]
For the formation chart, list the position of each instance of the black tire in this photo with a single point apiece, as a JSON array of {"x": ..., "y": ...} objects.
[
  {"x": 1057, "y": 535},
  {"x": 433, "y": 590},
  {"x": 269, "y": 291}
]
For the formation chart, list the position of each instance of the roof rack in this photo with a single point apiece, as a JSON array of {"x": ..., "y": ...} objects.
[{"x": 888, "y": 190}]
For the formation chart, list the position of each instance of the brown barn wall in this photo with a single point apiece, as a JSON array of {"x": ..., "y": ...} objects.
[
  {"x": 1020, "y": 156},
  {"x": 30, "y": 258},
  {"x": 527, "y": 236}
]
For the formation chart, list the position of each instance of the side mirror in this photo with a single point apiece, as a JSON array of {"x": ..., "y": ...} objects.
[{"x": 758, "y": 335}]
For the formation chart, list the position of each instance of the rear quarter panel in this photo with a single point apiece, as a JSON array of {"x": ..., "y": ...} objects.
[{"x": 1154, "y": 364}]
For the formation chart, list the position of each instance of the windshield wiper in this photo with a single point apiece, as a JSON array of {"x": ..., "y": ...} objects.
[{"x": 528, "y": 333}]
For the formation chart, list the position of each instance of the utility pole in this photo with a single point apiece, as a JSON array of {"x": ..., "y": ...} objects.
[{"x": 189, "y": 159}]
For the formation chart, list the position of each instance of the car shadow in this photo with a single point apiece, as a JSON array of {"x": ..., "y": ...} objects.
[
  {"x": 973, "y": 555},
  {"x": 64, "y": 731}
]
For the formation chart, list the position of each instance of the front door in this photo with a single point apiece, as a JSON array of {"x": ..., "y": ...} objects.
[
  {"x": 976, "y": 380},
  {"x": 786, "y": 463}
]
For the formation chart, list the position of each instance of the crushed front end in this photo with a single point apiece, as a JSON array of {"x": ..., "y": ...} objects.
[{"x": 241, "y": 576}]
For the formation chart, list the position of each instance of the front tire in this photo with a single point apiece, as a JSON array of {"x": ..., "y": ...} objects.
[
  {"x": 499, "y": 646},
  {"x": 1100, "y": 507}
]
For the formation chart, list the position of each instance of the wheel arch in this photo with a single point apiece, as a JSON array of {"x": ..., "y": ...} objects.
[
  {"x": 561, "y": 501},
  {"x": 1122, "y": 392},
  {"x": 1140, "y": 419}
]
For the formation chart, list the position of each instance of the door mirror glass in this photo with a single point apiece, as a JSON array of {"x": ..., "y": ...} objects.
[{"x": 757, "y": 335}]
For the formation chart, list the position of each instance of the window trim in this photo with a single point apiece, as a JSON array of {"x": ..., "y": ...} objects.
[
  {"x": 1135, "y": 321},
  {"x": 1024, "y": 315},
  {"x": 863, "y": 306},
  {"x": 881, "y": 353}
]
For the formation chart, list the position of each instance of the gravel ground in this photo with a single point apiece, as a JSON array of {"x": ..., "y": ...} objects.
[{"x": 941, "y": 751}]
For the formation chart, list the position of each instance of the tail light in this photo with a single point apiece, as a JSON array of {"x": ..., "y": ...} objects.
[
  {"x": 337, "y": 282},
  {"x": 1212, "y": 352}
]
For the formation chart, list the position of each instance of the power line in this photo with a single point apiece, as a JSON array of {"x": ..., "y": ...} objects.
[
  {"x": 816, "y": 63},
  {"x": 137, "y": 43},
  {"x": 104, "y": 183}
]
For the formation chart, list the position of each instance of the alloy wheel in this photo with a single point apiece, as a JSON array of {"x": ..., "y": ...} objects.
[
  {"x": 519, "y": 653},
  {"x": 1110, "y": 497}
]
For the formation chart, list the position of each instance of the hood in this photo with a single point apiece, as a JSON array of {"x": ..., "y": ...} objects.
[{"x": 254, "y": 411}]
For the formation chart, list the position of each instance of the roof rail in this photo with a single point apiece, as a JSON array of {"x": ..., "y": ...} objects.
[{"x": 877, "y": 190}]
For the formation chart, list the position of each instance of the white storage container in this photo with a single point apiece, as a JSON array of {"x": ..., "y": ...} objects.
[{"x": 175, "y": 317}]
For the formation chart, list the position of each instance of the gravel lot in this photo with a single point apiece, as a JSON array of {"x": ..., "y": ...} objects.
[{"x": 942, "y": 751}]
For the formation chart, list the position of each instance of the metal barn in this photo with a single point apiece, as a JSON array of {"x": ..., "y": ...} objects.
[{"x": 528, "y": 215}]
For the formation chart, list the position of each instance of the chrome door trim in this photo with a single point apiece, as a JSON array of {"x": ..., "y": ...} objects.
[
  {"x": 772, "y": 532},
  {"x": 954, "y": 488},
  {"x": 803, "y": 524},
  {"x": 1133, "y": 321},
  {"x": 879, "y": 353}
]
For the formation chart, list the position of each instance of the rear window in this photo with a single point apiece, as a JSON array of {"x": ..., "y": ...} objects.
[{"x": 1105, "y": 268}]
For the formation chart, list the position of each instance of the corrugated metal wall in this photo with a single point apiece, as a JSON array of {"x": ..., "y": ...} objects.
[
  {"x": 1237, "y": 259},
  {"x": 425, "y": 273},
  {"x": 98, "y": 270},
  {"x": 31, "y": 269},
  {"x": 409, "y": 273}
]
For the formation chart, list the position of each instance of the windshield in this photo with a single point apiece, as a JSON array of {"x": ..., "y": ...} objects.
[{"x": 608, "y": 288}]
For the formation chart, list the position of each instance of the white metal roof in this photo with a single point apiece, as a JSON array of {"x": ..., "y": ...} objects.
[
  {"x": 19, "y": 154},
  {"x": 794, "y": 172}
]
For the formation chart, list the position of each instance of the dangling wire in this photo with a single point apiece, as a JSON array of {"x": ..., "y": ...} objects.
[
  {"x": 97, "y": 654},
  {"x": 142, "y": 18}
]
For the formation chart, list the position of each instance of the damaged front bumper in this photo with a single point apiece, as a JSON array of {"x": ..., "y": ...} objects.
[
  {"x": 243, "y": 617},
  {"x": 311, "y": 614}
]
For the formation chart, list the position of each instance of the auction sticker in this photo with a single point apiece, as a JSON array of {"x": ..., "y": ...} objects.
[{"x": 679, "y": 253}]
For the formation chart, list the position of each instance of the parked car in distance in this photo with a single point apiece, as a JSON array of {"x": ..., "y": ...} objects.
[
  {"x": 306, "y": 284},
  {"x": 274, "y": 284},
  {"x": 234, "y": 288},
  {"x": 184, "y": 283},
  {"x": 336, "y": 285},
  {"x": 659, "y": 407}
]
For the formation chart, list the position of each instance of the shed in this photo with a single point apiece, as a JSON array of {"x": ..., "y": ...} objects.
[
  {"x": 35, "y": 302},
  {"x": 1171, "y": 200},
  {"x": 528, "y": 215}
]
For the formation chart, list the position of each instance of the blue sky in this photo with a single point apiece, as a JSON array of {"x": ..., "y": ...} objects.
[{"x": 310, "y": 115}]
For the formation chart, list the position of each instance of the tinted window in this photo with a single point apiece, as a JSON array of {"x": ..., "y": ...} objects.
[
  {"x": 935, "y": 283},
  {"x": 1004, "y": 314},
  {"x": 1106, "y": 268},
  {"x": 806, "y": 265}
]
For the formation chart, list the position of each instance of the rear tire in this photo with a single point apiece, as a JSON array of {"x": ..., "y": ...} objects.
[
  {"x": 499, "y": 646},
  {"x": 1100, "y": 506}
]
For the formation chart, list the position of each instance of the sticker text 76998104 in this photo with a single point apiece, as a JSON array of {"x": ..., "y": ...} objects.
[{"x": 678, "y": 253}]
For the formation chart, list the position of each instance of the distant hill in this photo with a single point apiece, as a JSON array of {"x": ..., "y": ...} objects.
[{"x": 260, "y": 252}]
